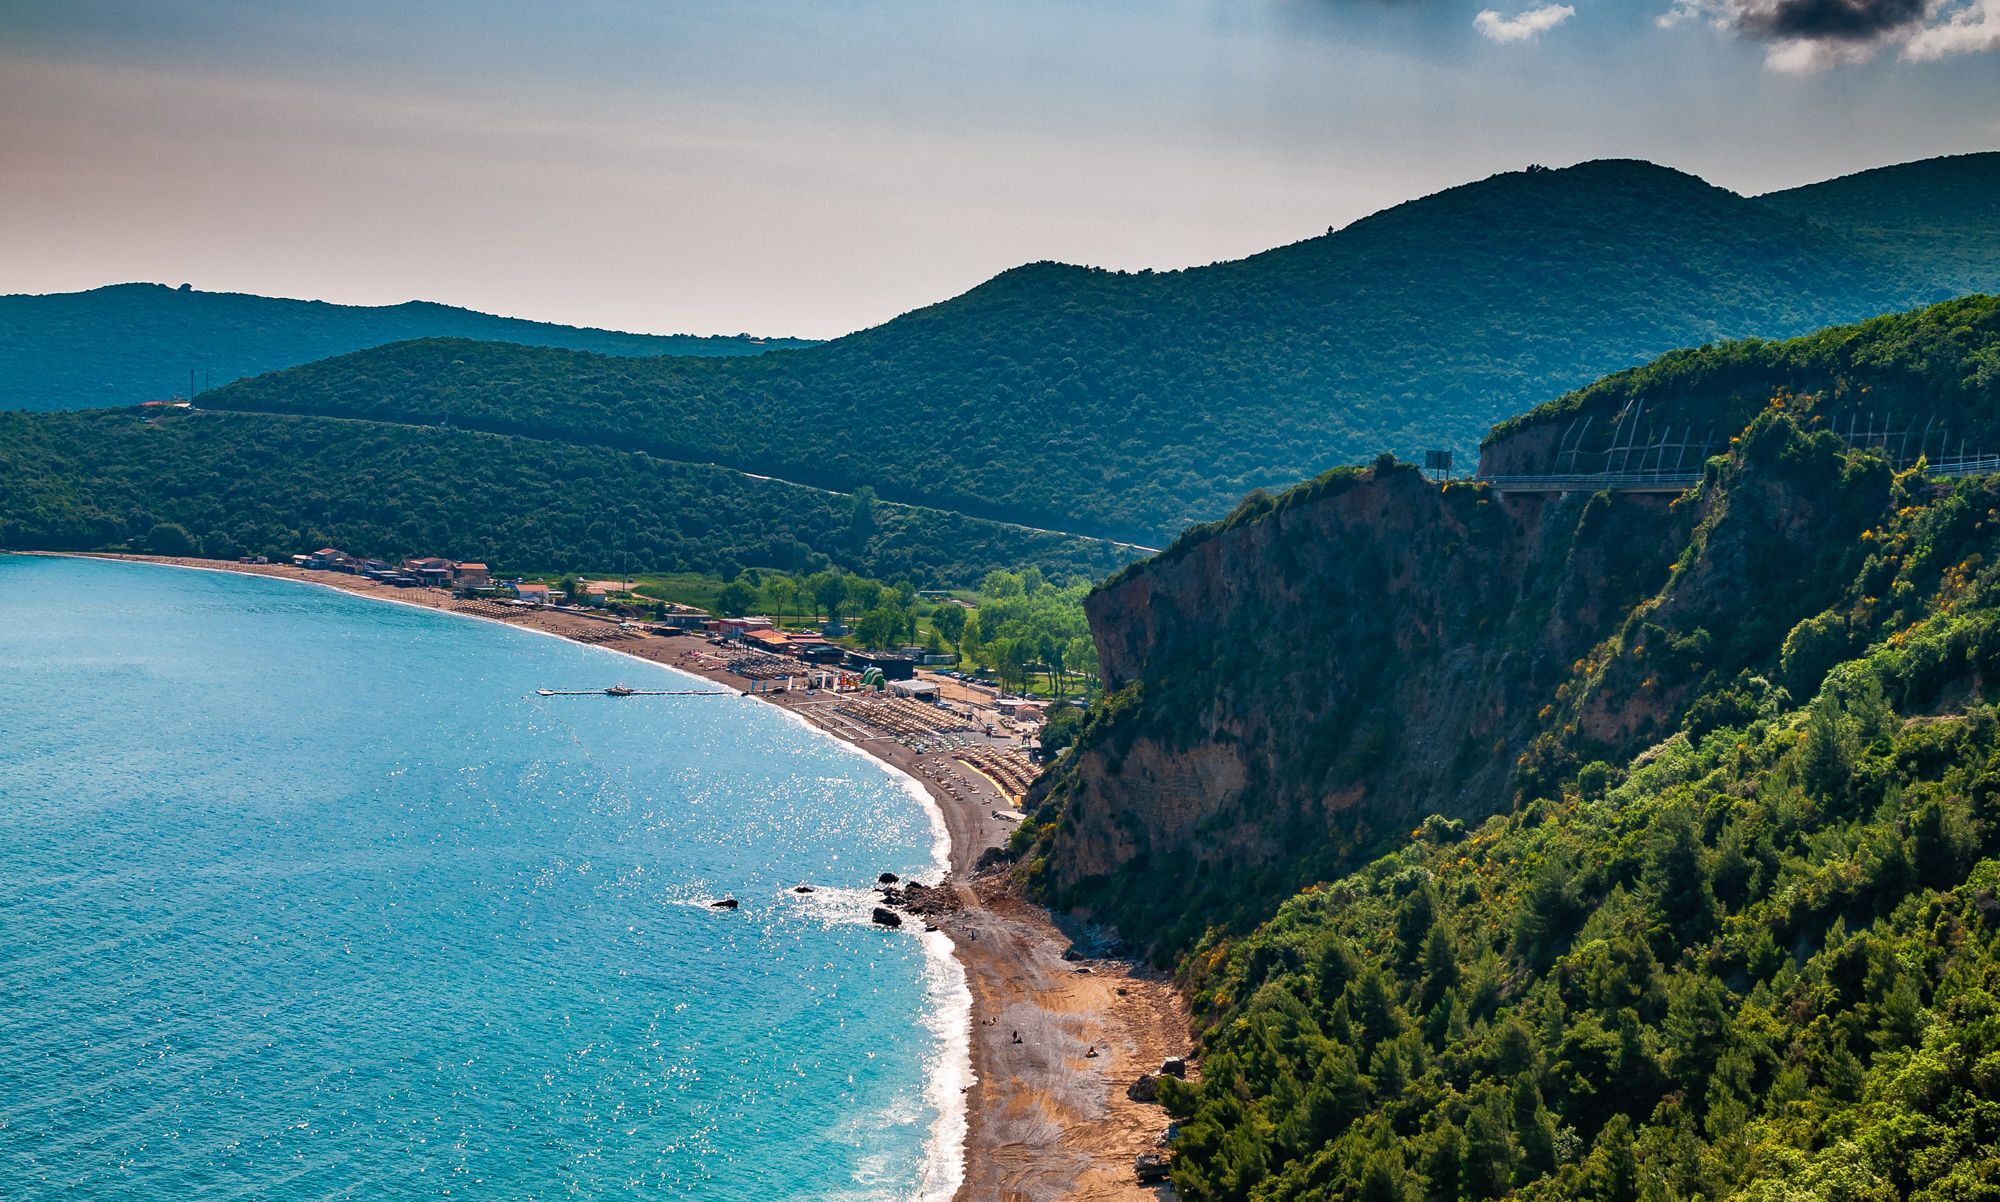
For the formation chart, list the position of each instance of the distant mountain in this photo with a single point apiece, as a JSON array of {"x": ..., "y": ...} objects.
[
  {"x": 1943, "y": 214},
  {"x": 1130, "y": 405},
  {"x": 138, "y": 342}
]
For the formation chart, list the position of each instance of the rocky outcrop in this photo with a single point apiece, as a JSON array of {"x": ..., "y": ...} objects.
[
  {"x": 1300, "y": 686},
  {"x": 925, "y": 901}
]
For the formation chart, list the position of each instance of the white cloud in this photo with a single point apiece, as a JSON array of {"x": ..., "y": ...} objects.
[
  {"x": 1971, "y": 29},
  {"x": 1523, "y": 26},
  {"x": 1809, "y": 56}
]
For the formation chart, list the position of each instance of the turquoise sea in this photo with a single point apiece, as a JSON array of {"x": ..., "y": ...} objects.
[{"x": 308, "y": 896}]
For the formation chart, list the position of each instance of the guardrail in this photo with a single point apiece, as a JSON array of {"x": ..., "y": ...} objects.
[
  {"x": 1982, "y": 466},
  {"x": 1682, "y": 481},
  {"x": 1617, "y": 482}
]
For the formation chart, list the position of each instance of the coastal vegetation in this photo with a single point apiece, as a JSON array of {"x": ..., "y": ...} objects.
[
  {"x": 1733, "y": 930},
  {"x": 1756, "y": 960},
  {"x": 138, "y": 342},
  {"x": 224, "y": 485},
  {"x": 1032, "y": 634},
  {"x": 1450, "y": 637},
  {"x": 1131, "y": 405}
]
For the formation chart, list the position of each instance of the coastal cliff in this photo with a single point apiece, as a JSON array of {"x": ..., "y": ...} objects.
[
  {"x": 1294, "y": 690},
  {"x": 1732, "y": 929}
]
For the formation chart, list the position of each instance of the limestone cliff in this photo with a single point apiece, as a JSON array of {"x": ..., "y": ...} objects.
[{"x": 1300, "y": 685}]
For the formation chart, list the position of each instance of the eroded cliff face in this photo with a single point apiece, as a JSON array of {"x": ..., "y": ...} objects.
[
  {"x": 1304, "y": 686},
  {"x": 1295, "y": 690}
]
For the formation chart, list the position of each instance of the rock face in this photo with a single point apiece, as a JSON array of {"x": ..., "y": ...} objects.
[
  {"x": 1294, "y": 691},
  {"x": 1291, "y": 691}
]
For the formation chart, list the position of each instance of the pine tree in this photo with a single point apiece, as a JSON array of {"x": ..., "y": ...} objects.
[
  {"x": 1490, "y": 1151},
  {"x": 1444, "y": 1165},
  {"x": 1612, "y": 1173}
]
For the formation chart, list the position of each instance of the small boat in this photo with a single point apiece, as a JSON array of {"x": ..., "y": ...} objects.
[
  {"x": 619, "y": 690},
  {"x": 546, "y": 692}
]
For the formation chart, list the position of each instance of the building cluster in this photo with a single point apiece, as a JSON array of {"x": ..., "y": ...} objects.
[
  {"x": 425, "y": 572},
  {"x": 759, "y": 650},
  {"x": 761, "y": 634}
]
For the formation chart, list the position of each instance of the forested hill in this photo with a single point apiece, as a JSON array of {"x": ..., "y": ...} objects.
[
  {"x": 137, "y": 342},
  {"x": 1929, "y": 375},
  {"x": 229, "y": 484},
  {"x": 1941, "y": 212},
  {"x": 1133, "y": 404},
  {"x": 1734, "y": 932}
]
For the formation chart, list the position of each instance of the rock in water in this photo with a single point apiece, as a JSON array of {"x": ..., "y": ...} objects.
[
  {"x": 727, "y": 903},
  {"x": 802, "y": 888},
  {"x": 887, "y": 878},
  {"x": 884, "y": 916}
]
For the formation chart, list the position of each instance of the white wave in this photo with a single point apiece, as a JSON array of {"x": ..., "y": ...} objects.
[{"x": 948, "y": 1076}]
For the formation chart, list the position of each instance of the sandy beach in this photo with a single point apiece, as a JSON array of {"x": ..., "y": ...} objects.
[{"x": 1047, "y": 1117}]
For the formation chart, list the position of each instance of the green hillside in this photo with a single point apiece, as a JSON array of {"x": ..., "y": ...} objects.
[
  {"x": 1133, "y": 404},
  {"x": 138, "y": 342},
  {"x": 1755, "y": 959},
  {"x": 1941, "y": 212},
  {"x": 224, "y": 484},
  {"x": 1734, "y": 932},
  {"x": 1939, "y": 365}
]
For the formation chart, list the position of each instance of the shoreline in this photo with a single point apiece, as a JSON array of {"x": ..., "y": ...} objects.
[{"x": 1051, "y": 1043}]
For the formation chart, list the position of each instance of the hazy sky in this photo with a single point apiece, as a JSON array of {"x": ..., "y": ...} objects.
[{"x": 808, "y": 168}]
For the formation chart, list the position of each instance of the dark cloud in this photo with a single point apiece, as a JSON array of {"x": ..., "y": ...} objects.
[
  {"x": 1802, "y": 36},
  {"x": 1829, "y": 20}
]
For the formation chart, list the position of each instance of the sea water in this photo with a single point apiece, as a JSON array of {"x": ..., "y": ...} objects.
[{"x": 305, "y": 895}]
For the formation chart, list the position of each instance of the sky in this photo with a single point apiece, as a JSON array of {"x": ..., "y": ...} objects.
[{"x": 811, "y": 167}]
